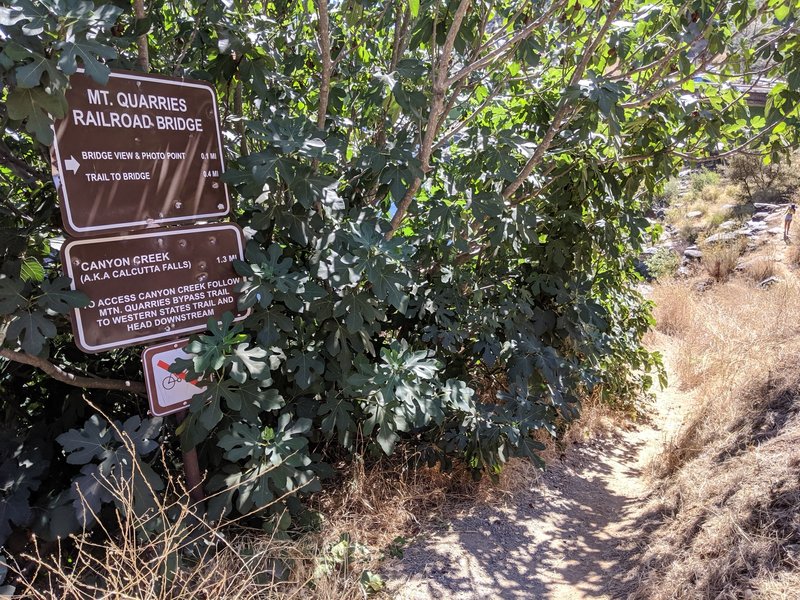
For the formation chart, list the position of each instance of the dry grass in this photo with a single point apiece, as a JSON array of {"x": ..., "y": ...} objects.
[
  {"x": 167, "y": 553},
  {"x": 674, "y": 308},
  {"x": 725, "y": 519},
  {"x": 720, "y": 260},
  {"x": 793, "y": 254},
  {"x": 760, "y": 269},
  {"x": 377, "y": 508}
]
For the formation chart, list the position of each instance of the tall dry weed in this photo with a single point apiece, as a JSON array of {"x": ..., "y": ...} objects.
[
  {"x": 674, "y": 308},
  {"x": 166, "y": 553},
  {"x": 724, "y": 521},
  {"x": 761, "y": 269},
  {"x": 793, "y": 254},
  {"x": 171, "y": 554},
  {"x": 720, "y": 260}
]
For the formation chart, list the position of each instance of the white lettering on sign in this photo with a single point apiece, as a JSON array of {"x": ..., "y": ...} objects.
[
  {"x": 138, "y": 152},
  {"x": 151, "y": 101},
  {"x": 178, "y": 124},
  {"x": 97, "y": 118},
  {"x": 132, "y": 100},
  {"x": 97, "y": 96},
  {"x": 97, "y": 155}
]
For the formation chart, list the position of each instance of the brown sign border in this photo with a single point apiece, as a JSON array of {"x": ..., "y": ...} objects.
[
  {"x": 66, "y": 211},
  {"x": 77, "y": 325}
]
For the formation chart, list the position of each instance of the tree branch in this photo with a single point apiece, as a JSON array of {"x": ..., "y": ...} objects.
[
  {"x": 561, "y": 112},
  {"x": 327, "y": 63},
  {"x": 23, "y": 170},
  {"x": 439, "y": 81},
  {"x": 521, "y": 35},
  {"x": 141, "y": 42},
  {"x": 57, "y": 373}
]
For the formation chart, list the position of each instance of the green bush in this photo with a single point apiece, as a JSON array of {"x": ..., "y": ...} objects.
[
  {"x": 420, "y": 226},
  {"x": 663, "y": 263},
  {"x": 670, "y": 192},
  {"x": 699, "y": 180},
  {"x": 763, "y": 181}
]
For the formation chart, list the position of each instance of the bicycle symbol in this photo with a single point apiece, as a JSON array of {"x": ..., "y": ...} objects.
[
  {"x": 172, "y": 378},
  {"x": 169, "y": 381}
]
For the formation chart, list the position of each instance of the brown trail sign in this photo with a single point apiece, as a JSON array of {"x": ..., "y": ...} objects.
[
  {"x": 141, "y": 151},
  {"x": 152, "y": 285}
]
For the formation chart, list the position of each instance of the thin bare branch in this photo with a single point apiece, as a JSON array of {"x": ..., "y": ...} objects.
[
  {"x": 455, "y": 128},
  {"x": 507, "y": 45},
  {"x": 439, "y": 82},
  {"x": 57, "y": 373},
  {"x": 23, "y": 170}
]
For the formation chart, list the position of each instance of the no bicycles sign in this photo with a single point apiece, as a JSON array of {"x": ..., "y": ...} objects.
[{"x": 168, "y": 392}]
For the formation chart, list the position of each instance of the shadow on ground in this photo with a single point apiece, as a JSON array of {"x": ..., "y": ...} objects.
[{"x": 559, "y": 539}]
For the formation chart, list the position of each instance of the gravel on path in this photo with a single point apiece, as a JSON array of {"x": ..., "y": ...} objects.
[{"x": 568, "y": 536}]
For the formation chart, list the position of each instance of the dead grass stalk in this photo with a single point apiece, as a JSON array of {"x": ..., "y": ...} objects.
[{"x": 725, "y": 519}]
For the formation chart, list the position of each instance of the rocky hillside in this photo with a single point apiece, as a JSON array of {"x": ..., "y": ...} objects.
[{"x": 723, "y": 520}]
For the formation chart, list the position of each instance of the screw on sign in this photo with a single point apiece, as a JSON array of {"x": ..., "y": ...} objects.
[{"x": 142, "y": 151}]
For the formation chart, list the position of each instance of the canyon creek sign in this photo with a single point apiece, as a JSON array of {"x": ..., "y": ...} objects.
[
  {"x": 152, "y": 285},
  {"x": 142, "y": 151}
]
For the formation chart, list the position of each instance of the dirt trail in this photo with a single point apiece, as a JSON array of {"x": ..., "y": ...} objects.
[{"x": 569, "y": 536}]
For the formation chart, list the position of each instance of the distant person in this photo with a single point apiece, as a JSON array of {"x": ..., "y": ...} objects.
[{"x": 787, "y": 220}]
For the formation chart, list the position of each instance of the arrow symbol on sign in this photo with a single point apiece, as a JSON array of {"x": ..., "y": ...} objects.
[{"x": 71, "y": 164}]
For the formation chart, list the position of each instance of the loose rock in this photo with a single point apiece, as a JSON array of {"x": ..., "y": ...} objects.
[
  {"x": 723, "y": 237},
  {"x": 768, "y": 282}
]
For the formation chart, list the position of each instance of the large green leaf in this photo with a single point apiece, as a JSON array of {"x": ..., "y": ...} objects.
[
  {"x": 82, "y": 445},
  {"x": 249, "y": 360},
  {"x": 11, "y": 296},
  {"x": 37, "y": 108},
  {"x": 306, "y": 366},
  {"x": 58, "y": 297},
  {"x": 87, "y": 51},
  {"x": 32, "y": 329}
]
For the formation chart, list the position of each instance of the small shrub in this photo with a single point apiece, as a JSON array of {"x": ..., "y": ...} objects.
[
  {"x": 670, "y": 192},
  {"x": 713, "y": 194},
  {"x": 760, "y": 269},
  {"x": 793, "y": 255},
  {"x": 746, "y": 170},
  {"x": 699, "y": 180},
  {"x": 663, "y": 263},
  {"x": 688, "y": 233},
  {"x": 762, "y": 182},
  {"x": 720, "y": 260},
  {"x": 717, "y": 218}
]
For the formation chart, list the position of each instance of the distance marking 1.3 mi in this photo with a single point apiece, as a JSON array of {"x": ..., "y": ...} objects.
[{"x": 227, "y": 258}]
